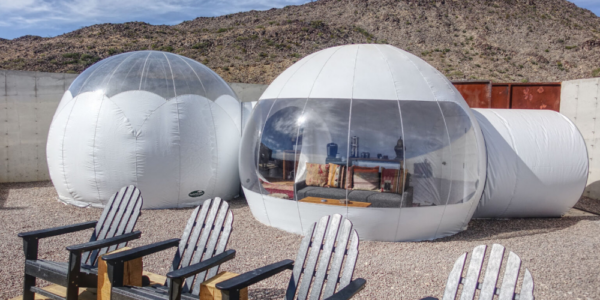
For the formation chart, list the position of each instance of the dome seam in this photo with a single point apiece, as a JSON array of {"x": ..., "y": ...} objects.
[
  {"x": 298, "y": 131},
  {"x": 350, "y": 119},
  {"x": 260, "y": 188},
  {"x": 401, "y": 126},
  {"x": 447, "y": 134},
  {"x": 94, "y": 150},
  {"x": 178, "y": 129},
  {"x": 143, "y": 70},
  {"x": 62, "y": 150},
  {"x": 474, "y": 123}
]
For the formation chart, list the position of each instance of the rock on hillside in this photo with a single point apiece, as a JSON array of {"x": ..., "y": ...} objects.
[{"x": 501, "y": 40}]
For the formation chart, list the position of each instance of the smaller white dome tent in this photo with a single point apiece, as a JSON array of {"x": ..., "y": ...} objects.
[
  {"x": 160, "y": 121},
  {"x": 537, "y": 163},
  {"x": 370, "y": 132}
]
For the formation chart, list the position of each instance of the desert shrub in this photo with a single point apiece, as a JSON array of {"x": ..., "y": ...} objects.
[
  {"x": 72, "y": 55},
  {"x": 316, "y": 24}
]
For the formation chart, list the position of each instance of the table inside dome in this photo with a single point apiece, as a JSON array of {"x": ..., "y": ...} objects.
[{"x": 337, "y": 202}]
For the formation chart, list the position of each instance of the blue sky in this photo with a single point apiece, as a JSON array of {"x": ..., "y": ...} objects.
[{"x": 54, "y": 17}]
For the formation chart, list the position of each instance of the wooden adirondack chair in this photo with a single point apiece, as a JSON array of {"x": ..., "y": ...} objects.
[
  {"x": 201, "y": 251},
  {"x": 112, "y": 231},
  {"x": 326, "y": 242},
  {"x": 488, "y": 286}
]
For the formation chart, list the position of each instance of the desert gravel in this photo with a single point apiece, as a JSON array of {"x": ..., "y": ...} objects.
[{"x": 561, "y": 253}]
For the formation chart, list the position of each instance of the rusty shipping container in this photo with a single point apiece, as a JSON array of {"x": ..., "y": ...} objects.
[
  {"x": 501, "y": 95},
  {"x": 478, "y": 94},
  {"x": 536, "y": 95}
]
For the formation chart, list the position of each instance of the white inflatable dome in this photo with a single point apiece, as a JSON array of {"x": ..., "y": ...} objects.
[
  {"x": 370, "y": 132},
  {"x": 160, "y": 121}
]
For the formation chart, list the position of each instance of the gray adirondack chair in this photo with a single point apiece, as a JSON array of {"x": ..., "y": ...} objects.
[
  {"x": 201, "y": 250},
  {"x": 332, "y": 245},
  {"x": 112, "y": 231},
  {"x": 488, "y": 287}
]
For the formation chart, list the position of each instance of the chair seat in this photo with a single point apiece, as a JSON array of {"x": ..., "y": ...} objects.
[
  {"x": 156, "y": 292},
  {"x": 56, "y": 272}
]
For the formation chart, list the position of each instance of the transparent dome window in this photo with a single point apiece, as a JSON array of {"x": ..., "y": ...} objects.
[
  {"x": 361, "y": 153},
  {"x": 161, "y": 73}
]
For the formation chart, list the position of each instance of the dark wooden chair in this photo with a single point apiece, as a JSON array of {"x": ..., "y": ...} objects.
[
  {"x": 488, "y": 287},
  {"x": 332, "y": 245},
  {"x": 112, "y": 231},
  {"x": 201, "y": 250}
]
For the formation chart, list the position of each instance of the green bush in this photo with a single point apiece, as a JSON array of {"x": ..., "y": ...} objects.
[
  {"x": 596, "y": 72},
  {"x": 71, "y": 55},
  {"x": 316, "y": 24},
  {"x": 201, "y": 45}
]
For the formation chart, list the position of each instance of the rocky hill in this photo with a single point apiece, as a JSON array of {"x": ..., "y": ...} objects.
[{"x": 501, "y": 40}]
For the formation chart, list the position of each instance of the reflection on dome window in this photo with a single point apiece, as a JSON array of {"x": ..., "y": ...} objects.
[
  {"x": 277, "y": 163},
  {"x": 365, "y": 153}
]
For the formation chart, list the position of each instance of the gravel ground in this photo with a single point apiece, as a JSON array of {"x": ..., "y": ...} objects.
[{"x": 561, "y": 253}]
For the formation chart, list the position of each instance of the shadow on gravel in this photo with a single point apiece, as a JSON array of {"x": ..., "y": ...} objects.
[
  {"x": 266, "y": 294},
  {"x": 237, "y": 203},
  {"x": 490, "y": 229},
  {"x": 589, "y": 205}
]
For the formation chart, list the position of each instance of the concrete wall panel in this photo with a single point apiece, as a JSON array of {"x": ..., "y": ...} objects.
[
  {"x": 28, "y": 101},
  {"x": 579, "y": 103},
  {"x": 3, "y": 129}
]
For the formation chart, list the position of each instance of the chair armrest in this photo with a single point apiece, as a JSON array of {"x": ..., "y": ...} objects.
[
  {"x": 105, "y": 242},
  {"x": 203, "y": 265},
  {"x": 48, "y": 232},
  {"x": 254, "y": 276},
  {"x": 141, "y": 251},
  {"x": 350, "y": 290}
]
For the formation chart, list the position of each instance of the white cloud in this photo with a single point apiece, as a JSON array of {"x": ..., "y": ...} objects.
[{"x": 52, "y": 17}]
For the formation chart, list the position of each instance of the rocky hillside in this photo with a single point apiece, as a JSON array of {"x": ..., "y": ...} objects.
[{"x": 501, "y": 40}]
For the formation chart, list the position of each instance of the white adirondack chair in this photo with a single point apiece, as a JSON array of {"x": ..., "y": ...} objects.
[{"x": 488, "y": 287}]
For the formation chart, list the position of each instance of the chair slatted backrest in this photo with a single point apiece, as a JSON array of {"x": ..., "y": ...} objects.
[
  {"x": 206, "y": 234},
  {"x": 488, "y": 286},
  {"x": 328, "y": 254},
  {"x": 119, "y": 217}
]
